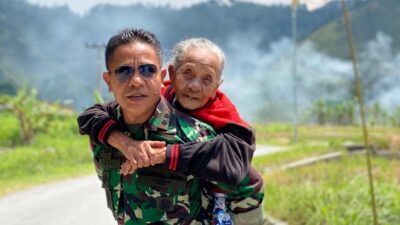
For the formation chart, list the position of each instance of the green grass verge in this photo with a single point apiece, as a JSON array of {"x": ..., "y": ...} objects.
[
  {"x": 329, "y": 193},
  {"x": 333, "y": 136},
  {"x": 334, "y": 193},
  {"x": 9, "y": 130},
  {"x": 48, "y": 158}
]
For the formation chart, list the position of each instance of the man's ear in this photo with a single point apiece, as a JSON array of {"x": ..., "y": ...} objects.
[
  {"x": 163, "y": 73},
  {"x": 171, "y": 72},
  {"x": 107, "y": 79}
]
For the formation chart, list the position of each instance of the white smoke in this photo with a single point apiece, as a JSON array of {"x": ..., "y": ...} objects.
[
  {"x": 254, "y": 78},
  {"x": 379, "y": 70}
]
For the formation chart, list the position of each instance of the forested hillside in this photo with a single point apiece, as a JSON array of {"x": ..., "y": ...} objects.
[{"x": 367, "y": 19}]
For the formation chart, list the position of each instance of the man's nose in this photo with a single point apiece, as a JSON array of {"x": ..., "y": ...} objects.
[
  {"x": 136, "y": 79},
  {"x": 194, "y": 85}
]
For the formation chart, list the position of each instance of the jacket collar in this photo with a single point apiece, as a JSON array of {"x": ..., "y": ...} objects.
[{"x": 163, "y": 118}]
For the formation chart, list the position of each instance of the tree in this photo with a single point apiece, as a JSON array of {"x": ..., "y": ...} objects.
[
  {"x": 395, "y": 117},
  {"x": 32, "y": 114},
  {"x": 333, "y": 112}
]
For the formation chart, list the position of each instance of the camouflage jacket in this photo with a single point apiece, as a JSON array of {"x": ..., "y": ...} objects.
[{"x": 158, "y": 194}]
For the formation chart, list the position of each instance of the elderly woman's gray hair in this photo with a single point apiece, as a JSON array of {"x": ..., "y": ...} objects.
[{"x": 181, "y": 48}]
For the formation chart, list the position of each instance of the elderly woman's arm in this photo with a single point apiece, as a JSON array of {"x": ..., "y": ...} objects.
[{"x": 225, "y": 158}]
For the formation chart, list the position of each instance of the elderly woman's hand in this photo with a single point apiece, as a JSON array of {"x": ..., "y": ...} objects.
[{"x": 141, "y": 154}]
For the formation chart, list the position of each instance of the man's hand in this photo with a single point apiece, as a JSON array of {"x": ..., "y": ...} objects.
[{"x": 128, "y": 167}]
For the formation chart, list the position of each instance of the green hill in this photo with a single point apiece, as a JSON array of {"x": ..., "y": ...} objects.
[{"x": 367, "y": 18}]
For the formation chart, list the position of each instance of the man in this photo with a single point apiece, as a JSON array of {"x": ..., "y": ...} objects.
[
  {"x": 157, "y": 194},
  {"x": 195, "y": 72}
]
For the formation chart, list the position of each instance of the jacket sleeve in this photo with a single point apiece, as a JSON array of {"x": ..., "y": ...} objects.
[
  {"x": 225, "y": 158},
  {"x": 96, "y": 121}
]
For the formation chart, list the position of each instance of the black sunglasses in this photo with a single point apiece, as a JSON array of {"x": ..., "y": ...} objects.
[{"x": 124, "y": 73}]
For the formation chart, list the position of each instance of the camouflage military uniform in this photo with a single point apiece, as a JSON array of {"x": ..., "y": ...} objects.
[{"x": 155, "y": 195}]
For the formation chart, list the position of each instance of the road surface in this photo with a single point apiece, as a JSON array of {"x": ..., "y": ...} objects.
[
  {"x": 72, "y": 202},
  {"x": 78, "y": 201},
  {"x": 266, "y": 149}
]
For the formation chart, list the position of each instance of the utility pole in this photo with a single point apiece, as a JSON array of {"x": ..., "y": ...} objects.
[
  {"x": 100, "y": 50},
  {"x": 359, "y": 92},
  {"x": 295, "y": 4}
]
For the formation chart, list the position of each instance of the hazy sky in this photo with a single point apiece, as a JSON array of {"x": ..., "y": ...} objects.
[{"x": 80, "y": 6}]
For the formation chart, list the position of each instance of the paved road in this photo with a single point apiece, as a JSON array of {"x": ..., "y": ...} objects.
[
  {"x": 78, "y": 201},
  {"x": 73, "y": 202},
  {"x": 265, "y": 150}
]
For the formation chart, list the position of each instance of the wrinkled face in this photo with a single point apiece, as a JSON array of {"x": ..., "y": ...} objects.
[
  {"x": 135, "y": 79},
  {"x": 197, "y": 79}
]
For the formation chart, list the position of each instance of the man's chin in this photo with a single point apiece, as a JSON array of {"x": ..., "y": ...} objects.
[{"x": 129, "y": 105}]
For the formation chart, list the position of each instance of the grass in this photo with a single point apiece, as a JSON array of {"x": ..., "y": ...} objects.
[
  {"x": 48, "y": 158},
  {"x": 9, "y": 130},
  {"x": 334, "y": 193},
  {"x": 333, "y": 136},
  {"x": 329, "y": 193}
]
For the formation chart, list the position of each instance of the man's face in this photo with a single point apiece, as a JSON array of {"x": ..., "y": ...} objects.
[
  {"x": 197, "y": 79},
  {"x": 137, "y": 93}
]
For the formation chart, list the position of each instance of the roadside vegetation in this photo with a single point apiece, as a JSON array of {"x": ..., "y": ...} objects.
[
  {"x": 334, "y": 192},
  {"x": 39, "y": 142}
]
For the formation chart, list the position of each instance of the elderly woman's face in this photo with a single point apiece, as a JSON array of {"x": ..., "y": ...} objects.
[{"x": 197, "y": 79}]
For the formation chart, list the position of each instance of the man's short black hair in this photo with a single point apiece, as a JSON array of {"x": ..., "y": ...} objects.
[{"x": 131, "y": 35}]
